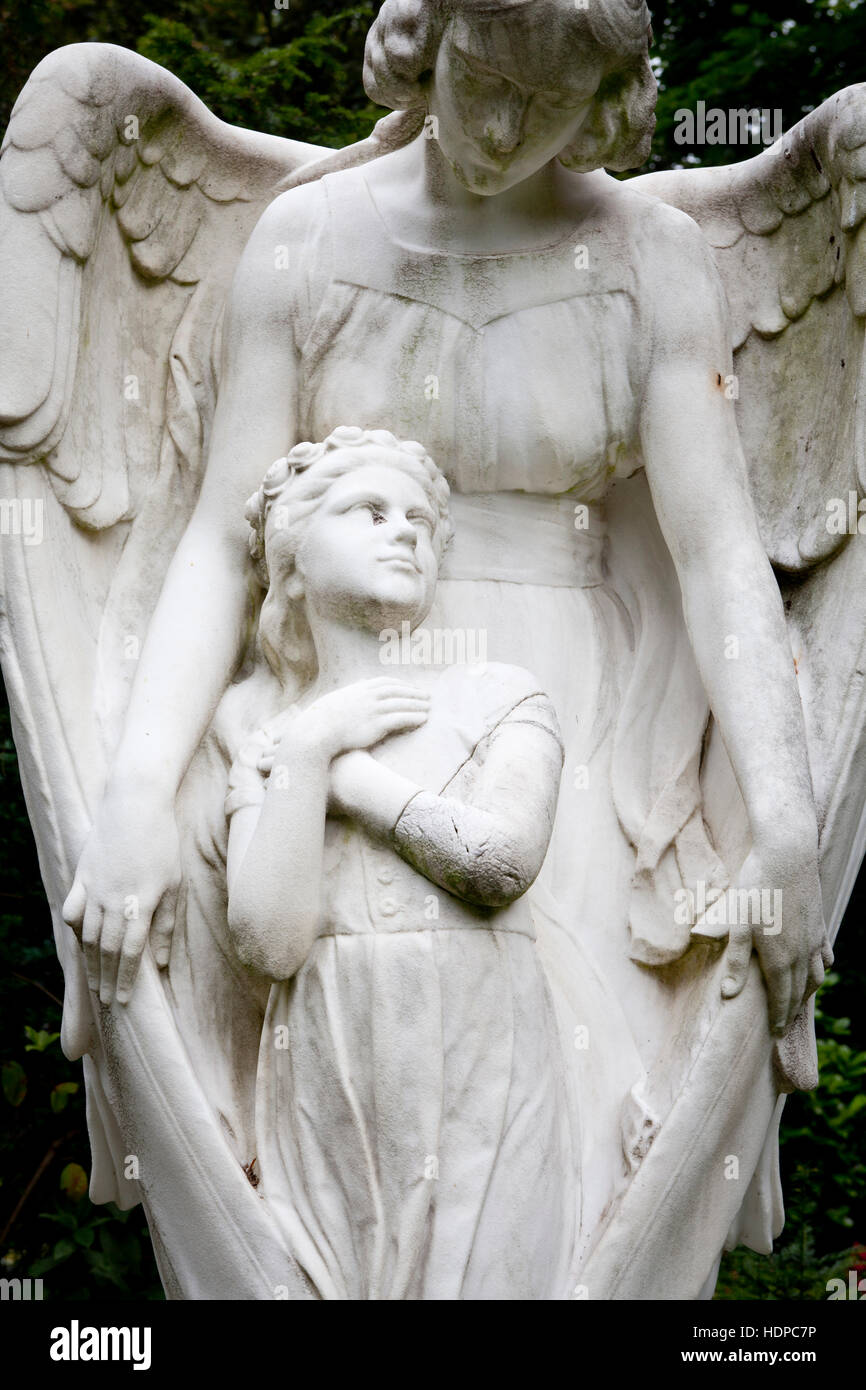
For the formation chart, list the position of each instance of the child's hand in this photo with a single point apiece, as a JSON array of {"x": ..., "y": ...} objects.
[
  {"x": 270, "y": 736},
  {"x": 356, "y": 716}
]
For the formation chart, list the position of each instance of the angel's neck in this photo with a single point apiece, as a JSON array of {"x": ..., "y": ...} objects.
[{"x": 423, "y": 203}]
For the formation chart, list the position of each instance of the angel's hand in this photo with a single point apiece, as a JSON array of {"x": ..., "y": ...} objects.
[
  {"x": 125, "y": 886},
  {"x": 787, "y": 931}
]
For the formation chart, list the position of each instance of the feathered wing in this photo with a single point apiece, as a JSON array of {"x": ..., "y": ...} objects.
[
  {"x": 786, "y": 231},
  {"x": 124, "y": 207}
]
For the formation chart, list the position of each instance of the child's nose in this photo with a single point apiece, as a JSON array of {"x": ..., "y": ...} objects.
[{"x": 404, "y": 530}]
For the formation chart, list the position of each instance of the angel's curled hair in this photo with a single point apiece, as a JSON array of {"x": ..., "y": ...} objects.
[
  {"x": 290, "y": 493},
  {"x": 403, "y": 44}
]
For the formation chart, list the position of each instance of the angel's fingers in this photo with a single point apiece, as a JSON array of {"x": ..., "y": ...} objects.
[
  {"x": 90, "y": 934},
  {"x": 74, "y": 906},
  {"x": 162, "y": 927},
  {"x": 114, "y": 930},
  {"x": 737, "y": 958},
  {"x": 779, "y": 990},
  {"x": 130, "y": 959},
  {"x": 799, "y": 976},
  {"x": 815, "y": 977}
]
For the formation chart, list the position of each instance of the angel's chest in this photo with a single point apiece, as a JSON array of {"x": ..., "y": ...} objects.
[{"x": 540, "y": 397}]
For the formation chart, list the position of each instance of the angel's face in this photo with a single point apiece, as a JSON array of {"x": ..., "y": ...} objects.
[
  {"x": 508, "y": 93},
  {"x": 367, "y": 556}
]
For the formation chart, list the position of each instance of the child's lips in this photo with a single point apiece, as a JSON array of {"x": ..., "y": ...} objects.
[{"x": 404, "y": 561}]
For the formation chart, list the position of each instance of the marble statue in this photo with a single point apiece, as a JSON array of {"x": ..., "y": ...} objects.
[{"x": 644, "y": 397}]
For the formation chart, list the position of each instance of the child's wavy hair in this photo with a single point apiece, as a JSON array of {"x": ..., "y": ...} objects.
[
  {"x": 403, "y": 44},
  {"x": 290, "y": 493}
]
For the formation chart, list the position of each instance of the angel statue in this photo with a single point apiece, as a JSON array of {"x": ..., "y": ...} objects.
[{"x": 643, "y": 395}]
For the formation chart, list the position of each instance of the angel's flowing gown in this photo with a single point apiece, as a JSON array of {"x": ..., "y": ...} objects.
[{"x": 522, "y": 374}]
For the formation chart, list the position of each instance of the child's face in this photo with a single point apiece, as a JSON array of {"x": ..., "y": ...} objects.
[{"x": 367, "y": 555}]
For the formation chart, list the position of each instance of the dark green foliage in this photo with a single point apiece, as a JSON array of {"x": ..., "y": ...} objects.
[
  {"x": 293, "y": 71},
  {"x": 782, "y": 54},
  {"x": 823, "y": 1153},
  {"x": 297, "y": 70}
]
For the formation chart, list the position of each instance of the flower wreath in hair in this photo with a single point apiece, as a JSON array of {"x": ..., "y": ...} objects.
[{"x": 282, "y": 474}]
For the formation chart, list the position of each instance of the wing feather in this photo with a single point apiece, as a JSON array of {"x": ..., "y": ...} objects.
[{"x": 103, "y": 142}]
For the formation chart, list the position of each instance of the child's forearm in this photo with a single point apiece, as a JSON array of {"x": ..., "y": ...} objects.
[
  {"x": 470, "y": 852},
  {"x": 482, "y": 857},
  {"x": 275, "y": 899}
]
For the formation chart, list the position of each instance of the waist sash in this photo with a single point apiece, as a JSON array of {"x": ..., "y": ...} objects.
[{"x": 525, "y": 538}]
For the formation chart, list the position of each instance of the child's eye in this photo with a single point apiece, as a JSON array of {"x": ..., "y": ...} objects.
[{"x": 373, "y": 508}]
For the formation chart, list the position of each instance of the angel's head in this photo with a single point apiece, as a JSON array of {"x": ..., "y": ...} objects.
[
  {"x": 513, "y": 84},
  {"x": 350, "y": 530}
]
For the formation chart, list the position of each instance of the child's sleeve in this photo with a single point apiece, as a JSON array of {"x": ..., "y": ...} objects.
[{"x": 486, "y": 843}]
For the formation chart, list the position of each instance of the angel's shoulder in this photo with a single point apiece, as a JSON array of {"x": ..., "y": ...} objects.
[
  {"x": 674, "y": 264},
  {"x": 292, "y": 219},
  {"x": 665, "y": 235},
  {"x": 284, "y": 261}
]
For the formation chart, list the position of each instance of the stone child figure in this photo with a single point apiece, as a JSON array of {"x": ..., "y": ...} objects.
[{"x": 411, "y": 1121}]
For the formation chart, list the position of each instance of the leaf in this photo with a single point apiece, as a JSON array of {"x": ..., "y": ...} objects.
[
  {"x": 14, "y": 1082},
  {"x": 63, "y": 1218},
  {"x": 60, "y": 1095},
  {"x": 63, "y": 1249},
  {"x": 102, "y": 1268},
  {"x": 39, "y": 1041},
  {"x": 85, "y": 1236},
  {"x": 73, "y": 1181},
  {"x": 851, "y": 1110}
]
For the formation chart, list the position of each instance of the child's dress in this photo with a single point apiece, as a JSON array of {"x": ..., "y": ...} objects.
[{"x": 412, "y": 1127}]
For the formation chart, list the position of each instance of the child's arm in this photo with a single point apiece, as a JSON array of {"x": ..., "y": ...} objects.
[
  {"x": 488, "y": 848},
  {"x": 276, "y": 851},
  {"x": 274, "y": 866}
]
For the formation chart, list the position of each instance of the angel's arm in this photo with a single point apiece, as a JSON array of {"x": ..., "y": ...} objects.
[
  {"x": 487, "y": 847},
  {"x": 196, "y": 635},
  {"x": 731, "y": 602}
]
